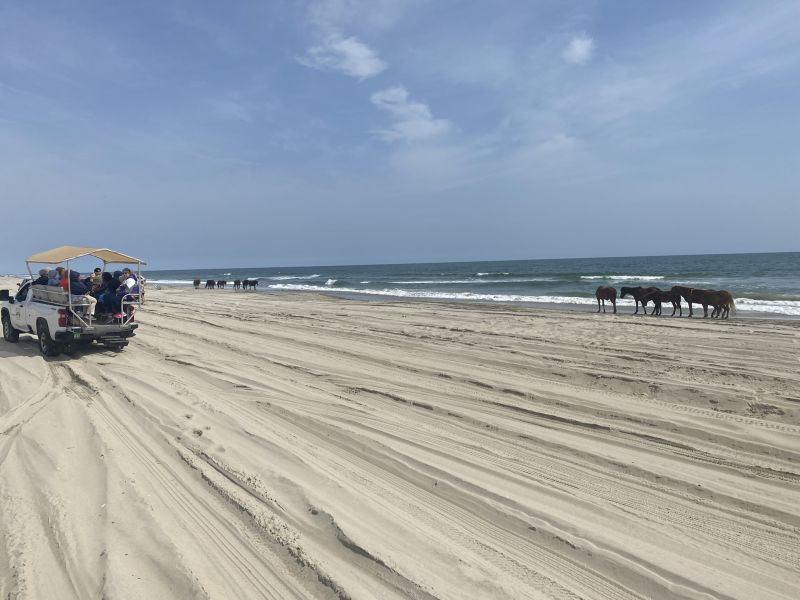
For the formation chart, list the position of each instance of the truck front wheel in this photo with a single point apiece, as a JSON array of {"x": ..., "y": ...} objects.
[
  {"x": 9, "y": 333},
  {"x": 47, "y": 344}
]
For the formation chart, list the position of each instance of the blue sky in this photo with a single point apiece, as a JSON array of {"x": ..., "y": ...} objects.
[{"x": 285, "y": 132}]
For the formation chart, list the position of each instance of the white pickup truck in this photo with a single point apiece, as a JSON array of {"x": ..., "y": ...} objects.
[{"x": 60, "y": 320}]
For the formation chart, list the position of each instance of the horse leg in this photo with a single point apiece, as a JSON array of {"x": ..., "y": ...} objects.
[
  {"x": 604, "y": 305},
  {"x": 614, "y": 302},
  {"x": 598, "y": 305}
]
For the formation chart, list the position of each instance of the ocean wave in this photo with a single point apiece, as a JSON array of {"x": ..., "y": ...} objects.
[
  {"x": 330, "y": 282},
  {"x": 624, "y": 277},
  {"x": 173, "y": 281},
  {"x": 289, "y": 277},
  {"x": 480, "y": 281},
  {"x": 445, "y": 295},
  {"x": 779, "y": 307},
  {"x": 487, "y": 274}
]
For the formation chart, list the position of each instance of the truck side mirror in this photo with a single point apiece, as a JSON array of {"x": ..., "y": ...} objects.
[{"x": 4, "y": 295}]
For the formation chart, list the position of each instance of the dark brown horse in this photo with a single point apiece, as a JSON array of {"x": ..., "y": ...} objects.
[
  {"x": 721, "y": 300},
  {"x": 638, "y": 294},
  {"x": 658, "y": 297},
  {"x": 211, "y": 284},
  {"x": 606, "y": 293},
  {"x": 237, "y": 284},
  {"x": 196, "y": 283},
  {"x": 221, "y": 284}
]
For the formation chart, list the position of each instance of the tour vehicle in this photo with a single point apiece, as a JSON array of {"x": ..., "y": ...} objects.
[{"x": 60, "y": 320}]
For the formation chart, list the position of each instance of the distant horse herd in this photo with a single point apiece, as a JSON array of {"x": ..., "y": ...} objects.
[
  {"x": 220, "y": 284},
  {"x": 720, "y": 300}
]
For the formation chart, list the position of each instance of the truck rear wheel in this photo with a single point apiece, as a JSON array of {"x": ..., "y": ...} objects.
[
  {"x": 47, "y": 344},
  {"x": 9, "y": 333}
]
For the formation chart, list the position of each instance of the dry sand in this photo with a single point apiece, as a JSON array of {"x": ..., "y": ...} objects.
[{"x": 275, "y": 446}]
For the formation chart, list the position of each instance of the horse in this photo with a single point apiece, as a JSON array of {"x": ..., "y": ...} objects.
[
  {"x": 245, "y": 284},
  {"x": 606, "y": 293},
  {"x": 658, "y": 297},
  {"x": 698, "y": 296},
  {"x": 722, "y": 301},
  {"x": 211, "y": 284},
  {"x": 196, "y": 283},
  {"x": 253, "y": 284},
  {"x": 638, "y": 294},
  {"x": 237, "y": 284},
  {"x": 221, "y": 284}
]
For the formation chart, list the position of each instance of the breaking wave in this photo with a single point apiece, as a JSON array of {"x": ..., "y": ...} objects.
[{"x": 625, "y": 277}]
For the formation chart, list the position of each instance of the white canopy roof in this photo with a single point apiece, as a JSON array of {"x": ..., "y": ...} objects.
[{"x": 65, "y": 253}]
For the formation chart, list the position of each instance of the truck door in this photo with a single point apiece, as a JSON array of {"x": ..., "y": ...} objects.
[{"x": 18, "y": 310}]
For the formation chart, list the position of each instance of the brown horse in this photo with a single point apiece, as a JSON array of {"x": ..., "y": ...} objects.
[
  {"x": 221, "y": 284},
  {"x": 687, "y": 294},
  {"x": 658, "y": 297},
  {"x": 638, "y": 294},
  {"x": 606, "y": 293},
  {"x": 211, "y": 284},
  {"x": 196, "y": 283},
  {"x": 237, "y": 284},
  {"x": 721, "y": 300}
]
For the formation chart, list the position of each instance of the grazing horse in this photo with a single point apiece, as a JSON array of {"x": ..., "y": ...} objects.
[
  {"x": 211, "y": 284},
  {"x": 237, "y": 284},
  {"x": 221, "y": 284},
  {"x": 638, "y": 294},
  {"x": 606, "y": 293},
  {"x": 253, "y": 284},
  {"x": 196, "y": 283},
  {"x": 245, "y": 284},
  {"x": 658, "y": 297}
]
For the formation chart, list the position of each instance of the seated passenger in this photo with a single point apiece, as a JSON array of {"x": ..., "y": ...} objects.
[
  {"x": 97, "y": 277},
  {"x": 53, "y": 277},
  {"x": 104, "y": 292},
  {"x": 43, "y": 278},
  {"x": 80, "y": 293},
  {"x": 109, "y": 296},
  {"x": 128, "y": 286}
]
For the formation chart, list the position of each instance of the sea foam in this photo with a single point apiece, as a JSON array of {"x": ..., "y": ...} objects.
[{"x": 624, "y": 277}]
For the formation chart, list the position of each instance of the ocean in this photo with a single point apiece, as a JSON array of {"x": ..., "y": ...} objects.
[{"x": 765, "y": 284}]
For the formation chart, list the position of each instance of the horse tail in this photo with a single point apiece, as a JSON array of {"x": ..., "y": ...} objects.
[{"x": 732, "y": 305}]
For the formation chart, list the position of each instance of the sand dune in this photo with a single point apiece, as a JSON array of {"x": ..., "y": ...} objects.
[{"x": 278, "y": 446}]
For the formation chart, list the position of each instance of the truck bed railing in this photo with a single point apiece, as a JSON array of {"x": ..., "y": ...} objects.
[{"x": 56, "y": 295}]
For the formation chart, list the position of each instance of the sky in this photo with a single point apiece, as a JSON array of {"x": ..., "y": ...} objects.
[{"x": 287, "y": 133}]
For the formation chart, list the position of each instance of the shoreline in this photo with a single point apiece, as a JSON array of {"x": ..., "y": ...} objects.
[{"x": 623, "y": 308}]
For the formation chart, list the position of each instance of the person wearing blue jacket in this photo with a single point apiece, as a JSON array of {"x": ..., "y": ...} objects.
[{"x": 80, "y": 292}]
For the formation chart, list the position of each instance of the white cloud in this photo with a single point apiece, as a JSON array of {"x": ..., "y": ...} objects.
[
  {"x": 579, "y": 51},
  {"x": 412, "y": 120},
  {"x": 347, "y": 55}
]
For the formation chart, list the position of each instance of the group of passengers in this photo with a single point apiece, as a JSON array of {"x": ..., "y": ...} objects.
[{"x": 103, "y": 291}]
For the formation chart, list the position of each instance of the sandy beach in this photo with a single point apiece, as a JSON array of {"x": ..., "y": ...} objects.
[{"x": 250, "y": 445}]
